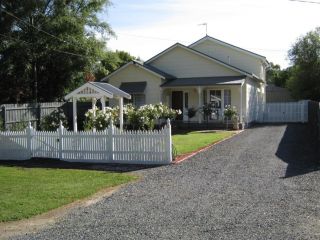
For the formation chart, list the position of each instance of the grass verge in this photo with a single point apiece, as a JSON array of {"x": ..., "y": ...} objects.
[
  {"x": 25, "y": 192},
  {"x": 188, "y": 142}
]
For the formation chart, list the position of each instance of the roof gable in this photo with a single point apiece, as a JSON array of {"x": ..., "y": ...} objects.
[
  {"x": 193, "y": 51},
  {"x": 208, "y": 38},
  {"x": 145, "y": 67}
]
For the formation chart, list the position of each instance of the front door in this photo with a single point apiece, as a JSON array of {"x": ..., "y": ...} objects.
[
  {"x": 177, "y": 102},
  {"x": 215, "y": 98}
]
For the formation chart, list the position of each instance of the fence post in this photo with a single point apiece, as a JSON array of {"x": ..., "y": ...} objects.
[
  {"x": 60, "y": 132},
  {"x": 169, "y": 142},
  {"x": 111, "y": 145},
  {"x": 30, "y": 133}
]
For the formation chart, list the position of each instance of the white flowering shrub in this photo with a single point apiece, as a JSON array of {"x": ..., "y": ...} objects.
[
  {"x": 97, "y": 119},
  {"x": 143, "y": 118},
  {"x": 230, "y": 112}
]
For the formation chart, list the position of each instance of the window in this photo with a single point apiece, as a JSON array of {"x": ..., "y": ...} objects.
[
  {"x": 215, "y": 98},
  {"x": 137, "y": 100},
  {"x": 186, "y": 104},
  {"x": 227, "y": 97}
]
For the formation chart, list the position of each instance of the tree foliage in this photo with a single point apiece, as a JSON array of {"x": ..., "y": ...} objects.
[
  {"x": 304, "y": 82},
  {"x": 48, "y": 46},
  {"x": 110, "y": 61},
  {"x": 278, "y": 76}
]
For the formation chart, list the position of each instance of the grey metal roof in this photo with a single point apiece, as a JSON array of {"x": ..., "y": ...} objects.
[
  {"x": 156, "y": 70},
  {"x": 205, "y": 81},
  {"x": 111, "y": 89},
  {"x": 133, "y": 87}
]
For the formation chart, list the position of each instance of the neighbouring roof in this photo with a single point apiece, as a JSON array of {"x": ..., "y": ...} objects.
[
  {"x": 97, "y": 90},
  {"x": 227, "y": 44},
  {"x": 144, "y": 66},
  {"x": 205, "y": 81},
  {"x": 133, "y": 87}
]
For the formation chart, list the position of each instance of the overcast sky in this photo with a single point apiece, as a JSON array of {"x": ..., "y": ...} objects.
[{"x": 267, "y": 27}]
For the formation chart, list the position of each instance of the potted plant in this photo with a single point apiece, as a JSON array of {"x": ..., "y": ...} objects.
[
  {"x": 230, "y": 113},
  {"x": 207, "y": 110},
  {"x": 191, "y": 113}
]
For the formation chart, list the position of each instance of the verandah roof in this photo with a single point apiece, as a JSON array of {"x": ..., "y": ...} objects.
[{"x": 205, "y": 81}]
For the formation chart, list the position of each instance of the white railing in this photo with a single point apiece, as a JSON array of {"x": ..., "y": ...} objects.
[
  {"x": 284, "y": 112},
  {"x": 109, "y": 146}
]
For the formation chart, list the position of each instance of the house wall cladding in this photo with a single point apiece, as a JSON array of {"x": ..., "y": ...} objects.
[
  {"x": 12, "y": 114},
  {"x": 235, "y": 57}
]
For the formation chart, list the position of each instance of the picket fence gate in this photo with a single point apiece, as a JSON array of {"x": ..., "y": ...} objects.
[
  {"x": 284, "y": 112},
  {"x": 110, "y": 146}
]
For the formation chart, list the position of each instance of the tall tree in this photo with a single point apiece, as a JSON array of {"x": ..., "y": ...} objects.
[
  {"x": 278, "y": 76},
  {"x": 305, "y": 57},
  {"x": 48, "y": 46},
  {"x": 112, "y": 60}
]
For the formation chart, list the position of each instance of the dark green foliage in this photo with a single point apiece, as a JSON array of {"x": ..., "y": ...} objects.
[
  {"x": 110, "y": 61},
  {"x": 1, "y": 124},
  {"x": 278, "y": 76},
  {"x": 304, "y": 82},
  {"x": 35, "y": 66},
  {"x": 51, "y": 122},
  {"x": 191, "y": 112}
]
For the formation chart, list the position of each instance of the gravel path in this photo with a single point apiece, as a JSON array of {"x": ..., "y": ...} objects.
[{"x": 252, "y": 186}]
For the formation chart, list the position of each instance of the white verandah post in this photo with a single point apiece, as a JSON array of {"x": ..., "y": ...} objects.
[
  {"x": 121, "y": 112},
  {"x": 94, "y": 102},
  {"x": 74, "y": 108},
  {"x": 241, "y": 103},
  {"x": 199, "y": 104},
  {"x": 103, "y": 104}
]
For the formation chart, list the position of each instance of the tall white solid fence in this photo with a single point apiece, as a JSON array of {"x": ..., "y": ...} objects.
[
  {"x": 284, "y": 112},
  {"x": 109, "y": 146}
]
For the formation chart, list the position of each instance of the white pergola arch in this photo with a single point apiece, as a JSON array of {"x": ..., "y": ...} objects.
[{"x": 95, "y": 91}]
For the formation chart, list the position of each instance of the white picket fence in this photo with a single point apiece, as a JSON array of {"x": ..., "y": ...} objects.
[
  {"x": 109, "y": 146},
  {"x": 284, "y": 112}
]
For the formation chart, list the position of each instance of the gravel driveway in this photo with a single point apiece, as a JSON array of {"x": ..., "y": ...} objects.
[{"x": 252, "y": 186}]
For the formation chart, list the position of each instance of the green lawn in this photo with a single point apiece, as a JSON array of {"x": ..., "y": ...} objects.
[
  {"x": 190, "y": 141},
  {"x": 25, "y": 192}
]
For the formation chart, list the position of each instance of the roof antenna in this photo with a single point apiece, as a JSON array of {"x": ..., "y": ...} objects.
[{"x": 204, "y": 24}]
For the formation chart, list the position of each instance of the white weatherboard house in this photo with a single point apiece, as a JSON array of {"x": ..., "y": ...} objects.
[{"x": 208, "y": 70}]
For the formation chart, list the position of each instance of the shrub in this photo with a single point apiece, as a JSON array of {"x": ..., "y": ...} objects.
[
  {"x": 97, "y": 119},
  {"x": 207, "y": 110},
  {"x": 1, "y": 124},
  {"x": 191, "y": 112},
  {"x": 51, "y": 122},
  {"x": 143, "y": 118},
  {"x": 18, "y": 126},
  {"x": 230, "y": 112}
]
